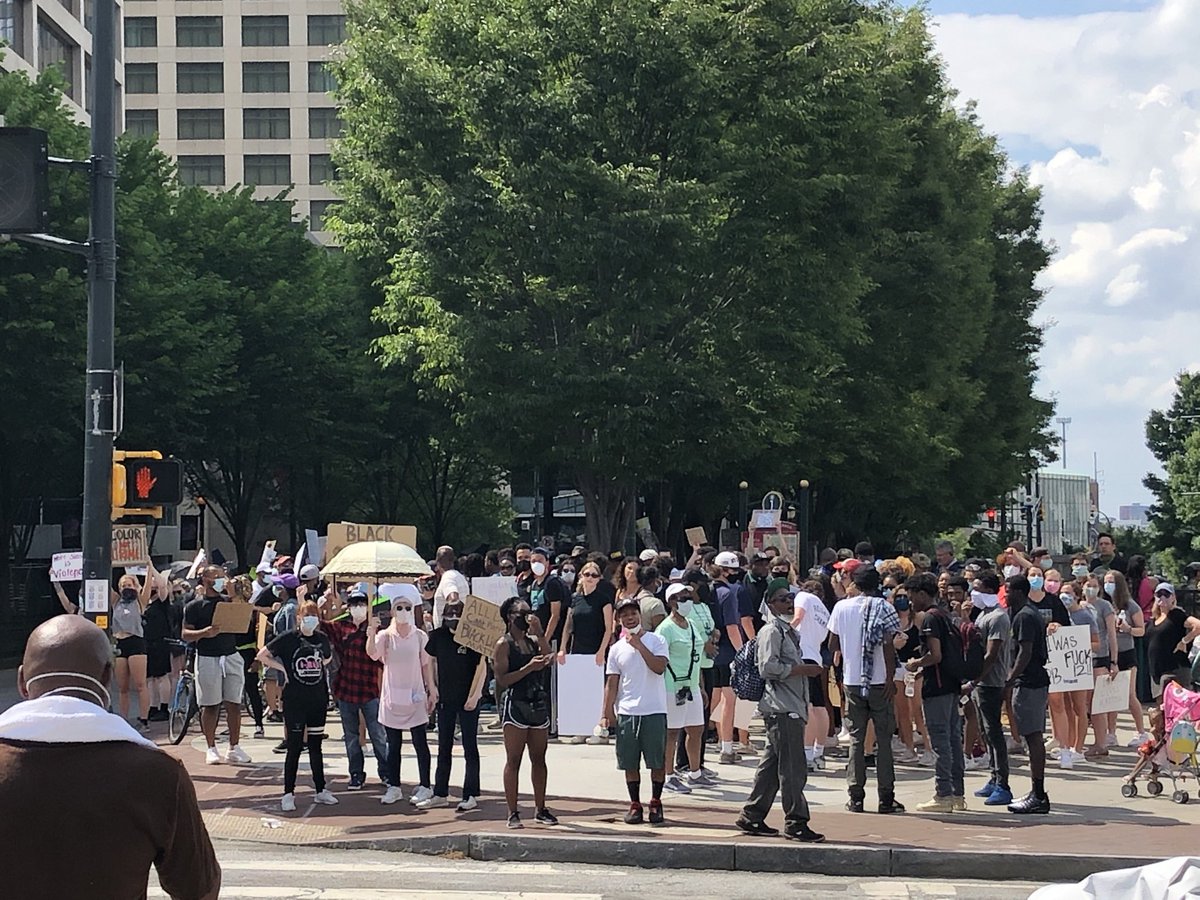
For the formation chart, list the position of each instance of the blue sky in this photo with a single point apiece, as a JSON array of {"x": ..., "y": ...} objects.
[{"x": 1033, "y": 8}]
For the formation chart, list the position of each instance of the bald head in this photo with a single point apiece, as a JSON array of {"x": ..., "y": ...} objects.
[{"x": 64, "y": 644}]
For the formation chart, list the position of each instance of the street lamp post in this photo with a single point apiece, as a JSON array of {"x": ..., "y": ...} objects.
[
  {"x": 805, "y": 526},
  {"x": 743, "y": 506},
  {"x": 1064, "y": 421}
]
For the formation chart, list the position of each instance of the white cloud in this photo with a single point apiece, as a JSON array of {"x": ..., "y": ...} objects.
[{"x": 1114, "y": 100}]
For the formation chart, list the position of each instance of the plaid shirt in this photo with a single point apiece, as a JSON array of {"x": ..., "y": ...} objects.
[{"x": 357, "y": 678}]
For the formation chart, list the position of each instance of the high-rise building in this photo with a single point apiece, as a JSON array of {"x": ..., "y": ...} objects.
[
  {"x": 238, "y": 92},
  {"x": 38, "y": 34}
]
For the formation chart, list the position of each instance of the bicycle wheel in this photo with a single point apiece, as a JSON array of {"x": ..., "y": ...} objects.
[{"x": 182, "y": 710}]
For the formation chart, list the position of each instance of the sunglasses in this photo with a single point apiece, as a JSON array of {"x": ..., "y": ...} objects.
[
  {"x": 399, "y": 606},
  {"x": 590, "y": 575}
]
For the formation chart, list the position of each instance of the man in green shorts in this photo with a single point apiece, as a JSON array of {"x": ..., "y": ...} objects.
[{"x": 635, "y": 697}]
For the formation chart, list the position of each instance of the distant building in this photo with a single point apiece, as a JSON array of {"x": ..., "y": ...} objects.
[{"x": 1134, "y": 513}]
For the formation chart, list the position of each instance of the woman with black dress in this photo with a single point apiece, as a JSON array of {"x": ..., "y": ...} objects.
[
  {"x": 908, "y": 704},
  {"x": 522, "y": 663}
]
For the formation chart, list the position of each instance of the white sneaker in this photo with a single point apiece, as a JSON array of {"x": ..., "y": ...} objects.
[
  {"x": 213, "y": 756},
  {"x": 1066, "y": 758},
  {"x": 421, "y": 793},
  {"x": 1140, "y": 739},
  {"x": 1110, "y": 741},
  {"x": 237, "y": 755},
  {"x": 844, "y": 735},
  {"x": 432, "y": 802},
  {"x": 288, "y": 803},
  {"x": 576, "y": 739},
  {"x": 594, "y": 741},
  {"x": 466, "y": 804},
  {"x": 927, "y": 760},
  {"x": 1053, "y": 745},
  {"x": 392, "y": 795},
  {"x": 904, "y": 755},
  {"x": 325, "y": 798}
]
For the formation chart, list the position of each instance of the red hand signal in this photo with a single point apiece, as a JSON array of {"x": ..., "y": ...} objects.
[{"x": 144, "y": 483}]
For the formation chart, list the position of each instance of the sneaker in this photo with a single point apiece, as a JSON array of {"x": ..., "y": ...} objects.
[
  {"x": 709, "y": 773},
  {"x": 656, "y": 812},
  {"x": 728, "y": 759},
  {"x": 143, "y": 726},
  {"x": 275, "y": 717},
  {"x": 1031, "y": 805},
  {"x": 854, "y": 806},
  {"x": 281, "y": 747},
  {"x": 891, "y": 807},
  {"x": 699, "y": 779},
  {"x": 237, "y": 755},
  {"x": 212, "y": 757},
  {"x": 1001, "y": 796},
  {"x": 514, "y": 820},
  {"x": 869, "y": 760},
  {"x": 677, "y": 785},
  {"x": 577, "y": 739},
  {"x": 325, "y": 798},
  {"x": 937, "y": 805},
  {"x": 1140, "y": 739},
  {"x": 432, "y": 802},
  {"x": 904, "y": 755},
  {"x": 756, "y": 829},
  {"x": 959, "y": 802},
  {"x": 288, "y": 803},
  {"x": 158, "y": 714},
  {"x": 545, "y": 817},
  {"x": 976, "y": 763},
  {"x": 466, "y": 804},
  {"x": 1066, "y": 758},
  {"x": 259, "y": 732},
  {"x": 421, "y": 793},
  {"x": 1110, "y": 741},
  {"x": 596, "y": 741},
  {"x": 818, "y": 763},
  {"x": 634, "y": 816},
  {"x": 804, "y": 835},
  {"x": 392, "y": 795},
  {"x": 843, "y": 736},
  {"x": 1052, "y": 745},
  {"x": 356, "y": 782},
  {"x": 927, "y": 760},
  {"x": 987, "y": 790}
]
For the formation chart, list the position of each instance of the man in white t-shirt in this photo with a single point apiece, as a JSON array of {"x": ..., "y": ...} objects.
[
  {"x": 635, "y": 698},
  {"x": 452, "y": 586},
  {"x": 811, "y": 623}
]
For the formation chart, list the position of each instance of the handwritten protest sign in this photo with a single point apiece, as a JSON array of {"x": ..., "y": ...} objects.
[
  {"x": 1069, "y": 662},
  {"x": 66, "y": 566},
  {"x": 129, "y": 547},
  {"x": 342, "y": 534},
  {"x": 696, "y": 536},
  {"x": 480, "y": 626},
  {"x": 1112, "y": 694}
]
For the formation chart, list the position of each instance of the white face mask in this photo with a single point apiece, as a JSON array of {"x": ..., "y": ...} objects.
[
  {"x": 358, "y": 614},
  {"x": 105, "y": 701},
  {"x": 1010, "y": 571},
  {"x": 538, "y": 569},
  {"x": 568, "y": 575},
  {"x": 685, "y": 608},
  {"x": 308, "y": 624},
  {"x": 404, "y": 616},
  {"x": 636, "y": 629}
]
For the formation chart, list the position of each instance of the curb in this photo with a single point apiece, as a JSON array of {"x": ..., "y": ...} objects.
[{"x": 776, "y": 856}]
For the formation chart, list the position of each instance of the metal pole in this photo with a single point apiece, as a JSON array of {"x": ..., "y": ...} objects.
[
  {"x": 806, "y": 560},
  {"x": 99, "y": 425}
]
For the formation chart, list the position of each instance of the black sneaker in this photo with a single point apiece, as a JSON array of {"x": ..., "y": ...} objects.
[
  {"x": 804, "y": 835},
  {"x": 854, "y": 805},
  {"x": 634, "y": 816},
  {"x": 281, "y": 747},
  {"x": 1031, "y": 804},
  {"x": 887, "y": 807},
  {"x": 656, "y": 812},
  {"x": 869, "y": 760},
  {"x": 356, "y": 783},
  {"x": 158, "y": 715},
  {"x": 756, "y": 829},
  {"x": 545, "y": 817},
  {"x": 514, "y": 820}
]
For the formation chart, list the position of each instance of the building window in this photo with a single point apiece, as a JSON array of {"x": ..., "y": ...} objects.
[
  {"x": 141, "y": 31},
  {"x": 264, "y": 31},
  {"x": 324, "y": 122},
  {"x": 56, "y": 50},
  {"x": 320, "y": 169},
  {"x": 265, "y": 77},
  {"x": 318, "y": 219},
  {"x": 202, "y": 170},
  {"x": 266, "y": 124},
  {"x": 199, "y": 78},
  {"x": 201, "y": 124},
  {"x": 141, "y": 78},
  {"x": 320, "y": 79},
  {"x": 325, "y": 30},
  {"x": 198, "y": 31},
  {"x": 268, "y": 168},
  {"x": 12, "y": 30},
  {"x": 141, "y": 122}
]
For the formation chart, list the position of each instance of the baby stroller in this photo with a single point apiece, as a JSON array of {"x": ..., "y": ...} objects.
[{"x": 1174, "y": 747}]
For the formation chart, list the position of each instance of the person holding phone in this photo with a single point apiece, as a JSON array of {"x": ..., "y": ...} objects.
[{"x": 522, "y": 663}]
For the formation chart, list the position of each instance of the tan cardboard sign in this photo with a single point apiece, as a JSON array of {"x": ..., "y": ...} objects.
[
  {"x": 480, "y": 627},
  {"x": 696, "y": 537},
  {"x": 232, "y": 617},
  {"x": 342, "y": 534},
  {"x": 129, "y": 547}
]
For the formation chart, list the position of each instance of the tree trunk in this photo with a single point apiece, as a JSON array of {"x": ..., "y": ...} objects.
[{"x": 610, "y": 506}]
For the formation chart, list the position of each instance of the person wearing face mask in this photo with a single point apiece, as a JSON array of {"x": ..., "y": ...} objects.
[
  {"x": 220, "y": 672},
  {"x": 452, "y": 584},
  {"x": 409, "y": 692},
  {"x": 1169, "y": 634},
  {"x": 1044, "y": 600},
  {"x": 156, "y": 626},
  {"x": 182, "y": 594},
  {"x": 1055, "y": 614},
  {"x": 356, "y": 687},
  {"x": 521, "y": 661},
  {"x": 685, "y": 696},
  {"x": 810, "y": 620},
  {"x": 995, "y": 630},
  {"x": 62, "y": 753},
  {"x": 548, "y": 596},
  {"x": 459, "y": 672},
  {"x": 566, "y": 571},
  {"x": 1072, "y": 707},
  {"x": 910, "y": 716},
  {"x": 128, "y": 604},
  {"x": 1079, "y": 570},
  {"x": 302, "y": 656},
  {"x": 1104, "y": 663}
]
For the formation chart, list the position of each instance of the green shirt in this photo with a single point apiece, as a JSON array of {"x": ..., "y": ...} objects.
[
  {"x": 685, "y": 647},
  {"x": 702, "y": 620}
]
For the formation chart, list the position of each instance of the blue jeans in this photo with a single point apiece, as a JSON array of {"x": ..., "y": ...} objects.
[
  {"x": 945, "y": 734},
  {"x": 349, "y": 713}
]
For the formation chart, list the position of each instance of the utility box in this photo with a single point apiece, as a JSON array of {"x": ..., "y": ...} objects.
[{"x": 24, "y": 181}]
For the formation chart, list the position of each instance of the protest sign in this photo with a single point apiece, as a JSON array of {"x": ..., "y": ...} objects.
[
  {"x": 232, "y": 617},
  {"x": 494, "y": 589},
  {"x": 645, "y": 534},
  {"x": 696, "y": 537},
  {"x": 316, "y": 546},
  {"x": 343, "y": 534},
  {"x": 129, "y": 546},
  {"x": 66, "y": 566},
  {"x": 199, "y": 561},
  {"x": 1112, "y": 694},
  {"x": 480, "y": 626},
  {"x": 580, "y": 687},
  {"x": 1069, "y": 659}
]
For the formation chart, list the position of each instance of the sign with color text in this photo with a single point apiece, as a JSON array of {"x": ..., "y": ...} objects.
[
  {"x": 129, "y": 547},
  {"x": 1069, "y": 659},
  {"x": 66, "y": 566}
]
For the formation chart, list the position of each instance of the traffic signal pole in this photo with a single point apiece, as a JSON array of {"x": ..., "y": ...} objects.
[{"x": 99, "y": 419}]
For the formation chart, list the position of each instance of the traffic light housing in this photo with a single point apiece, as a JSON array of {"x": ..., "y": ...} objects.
[
  {"x": 144, "y": 482},
  {"x": 24, "y": 181},
  {"x": 118, "y": 485},
  {"x": 991, "y": 517}
]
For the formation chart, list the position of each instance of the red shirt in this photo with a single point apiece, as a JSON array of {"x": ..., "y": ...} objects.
[{"x": 357, "y": 678}]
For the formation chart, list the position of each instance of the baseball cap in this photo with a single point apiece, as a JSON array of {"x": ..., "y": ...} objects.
[
  {"x": 727, "y": 559},
  {"x": 309, "y": 572},
  {"x": 676, "y": 589},
  {"x": 760, "y": 556},
  {"x": 1164, "y": 587},
  {"x": 647, "y": 555},
  {"x": 828, "y": 555},
  {"x": 356, "y": 595},
  {"x": 848, "y": 565},
  {"x": 628, "y": 601},
  {"x": 287, "y": 580}
]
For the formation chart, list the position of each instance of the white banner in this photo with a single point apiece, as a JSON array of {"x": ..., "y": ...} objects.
[
  {"x": 580, "y": 693},
  {"x": 1069, "y": 661},
  {"x": 67, "y": 566}
]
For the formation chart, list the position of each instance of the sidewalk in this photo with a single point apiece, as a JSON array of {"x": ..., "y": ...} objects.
[{"x": 588, "y": 795}]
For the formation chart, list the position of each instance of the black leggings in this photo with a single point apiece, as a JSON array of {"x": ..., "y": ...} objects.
[
  {"x": 420, "y": 742},
  {"x": 252, "y": 691},
  {"x": 301, "y": 712}
]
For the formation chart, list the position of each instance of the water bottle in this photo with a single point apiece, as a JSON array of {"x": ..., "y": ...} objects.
[{"x": 910, "y": 684}]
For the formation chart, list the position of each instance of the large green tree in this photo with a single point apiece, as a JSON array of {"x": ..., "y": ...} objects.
[{"x": 1173, "y": 436}]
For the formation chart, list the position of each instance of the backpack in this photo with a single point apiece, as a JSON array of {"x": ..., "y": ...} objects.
[
  {"x": 963, "y": 658},
  {"x": 745, "y": 679}
]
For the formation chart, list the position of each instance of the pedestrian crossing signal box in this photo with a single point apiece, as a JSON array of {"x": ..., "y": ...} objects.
[{"x": 143, "y": 483}]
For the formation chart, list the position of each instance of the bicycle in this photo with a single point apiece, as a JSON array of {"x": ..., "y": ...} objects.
[{"x": 183, "y": 706}]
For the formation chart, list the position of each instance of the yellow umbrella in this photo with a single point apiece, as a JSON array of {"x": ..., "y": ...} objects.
[{"x": 377, "y": 559}]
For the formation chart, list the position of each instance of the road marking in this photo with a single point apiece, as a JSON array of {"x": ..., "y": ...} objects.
[
  {"x": 304, "y": 865},
  {"x": 257, "y": 892}
]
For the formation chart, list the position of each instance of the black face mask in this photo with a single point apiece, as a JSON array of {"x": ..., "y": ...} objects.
[
  {"x": 519, "y": 622},
  {"x": 128, "y": 594},
  {"x": 451, "y": 623}
]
